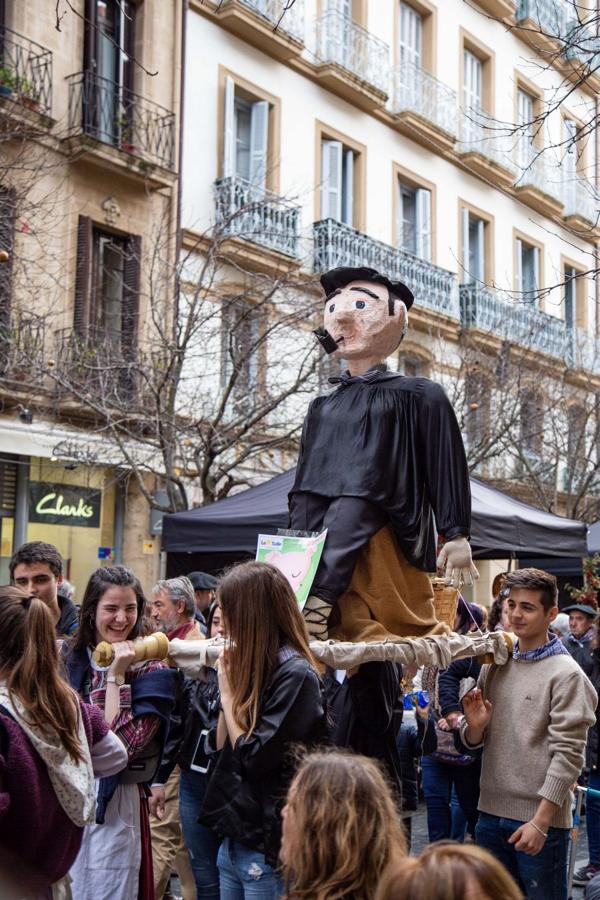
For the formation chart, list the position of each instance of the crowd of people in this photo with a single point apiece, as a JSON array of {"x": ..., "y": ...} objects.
[{"x": 270, "y": 776}]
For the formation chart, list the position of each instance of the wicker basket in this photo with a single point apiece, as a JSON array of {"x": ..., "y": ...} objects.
[{"x": 445, "y": 601}]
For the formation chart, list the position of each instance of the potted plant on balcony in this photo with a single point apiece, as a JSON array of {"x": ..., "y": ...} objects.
[
  {"x": 7, "y": 81},
  {"x": 29, "y": 95},
  {"x": 126, "y": 133}
]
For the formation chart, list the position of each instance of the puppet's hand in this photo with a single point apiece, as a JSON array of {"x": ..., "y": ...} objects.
[
  {"x": 455, "y": 558},
  {"x": 316, "y": 614}
]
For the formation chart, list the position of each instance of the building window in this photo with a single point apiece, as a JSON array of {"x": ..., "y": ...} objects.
[
  {"x": 575, "y": 297},
  {"x": 337, "y": 181},
  {"x": 412, "y": 366},
  {"x": 477, "y": 397},
  {"x": 8, "y": 199},
  {"x": 241, "y": 345},
  {"x": 528, "y": 270},
  {"x": 107, "y": 288},
  {"x": 532, "y": 423},
  {"x": 526, "y": 113},
  {"x": 108, "y": 53},
  {"x": 414, "y": 219},
  {"x": 411, "y": 36},
  {"x": 472, "y": 81},
  {"x": 576, "y": 452},
  {"x": 476, "y": 248},
  {"x": 247, "y": 136}
]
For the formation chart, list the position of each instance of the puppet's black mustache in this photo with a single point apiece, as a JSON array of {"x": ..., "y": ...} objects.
[{"x": 327, "y": 342}]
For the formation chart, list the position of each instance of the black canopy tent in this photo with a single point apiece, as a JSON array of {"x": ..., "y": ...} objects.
[{"x": 210, "y": 537}]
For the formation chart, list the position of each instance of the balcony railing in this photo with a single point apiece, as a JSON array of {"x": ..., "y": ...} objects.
[
  {"x": 558, "y": 19},
  {"x": 290, "y": 20},
  {"x": 582, "y": 200},
  {"x": 98, "y": 361},
  {"x": 25, "y": 71},
  {"x": 584, "y": 350},
  {"x": 341, "y": 41},
  {"x": 415, "y": 90},
  {"x": 22, "y": 346},
  {"x": 112, "y": 114},
  {"x": 480, "y": 133},
  {"x": 535, "y": 171},
  {"x": 336, "y": 244},
  {"x": 519, "y": 322},
  {"x": 249, "y": 212}
]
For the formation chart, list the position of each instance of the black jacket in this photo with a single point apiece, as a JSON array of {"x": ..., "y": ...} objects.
[
  {"x": 247, "y": 789},
  {"x": 365, "y": 712},
  {"x": 592, "y": 750},
  {"x": 69, "y": 617},
  {"x": 196, "y": 713},
  {"x": 581, "y": 653},
  {"x": 449, "y": 682}
]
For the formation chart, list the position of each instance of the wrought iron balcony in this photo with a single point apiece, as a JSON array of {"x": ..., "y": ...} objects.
[
  {"x": 581, "y": 201},
  {"x": 110, "y": 113},
  {"x": 482, "y": 138},
  {"x": 584, "y": 350},
  {"x": 98, "y": 361},
  {"x": 289, "y": 20},
  {"x": 558, "y": 21},
  {"x": 25, "y": 71},
  {"x": 342, "y": 42},
  {"x": 336, "y": 244},
  {"x": 22, "y": 345},
  {"x": 519, "y": 322},
  {"x": 254, "y": 214},
  {"x": 417, "y": 91}
]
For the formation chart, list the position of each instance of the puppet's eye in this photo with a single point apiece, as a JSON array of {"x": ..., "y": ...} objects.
[
  {"x": 360, "y": 304},
  {"x": 331, "y": 307}
]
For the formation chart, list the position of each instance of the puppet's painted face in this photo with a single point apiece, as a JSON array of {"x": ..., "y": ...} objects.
[{"x": 357, "y": 316}]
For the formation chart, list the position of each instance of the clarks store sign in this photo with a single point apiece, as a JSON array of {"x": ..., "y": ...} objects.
[{"x": 64, "y": 504}]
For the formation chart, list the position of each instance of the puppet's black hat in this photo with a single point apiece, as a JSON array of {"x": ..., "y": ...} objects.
[{"x": 343, "y": 275}]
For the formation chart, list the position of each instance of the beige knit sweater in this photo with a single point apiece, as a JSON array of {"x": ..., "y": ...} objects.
[{"x": 534, "y": 745}]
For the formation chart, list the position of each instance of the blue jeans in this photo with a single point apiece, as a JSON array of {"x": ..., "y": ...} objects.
[
  {"x": 440, "y": 782},
  {"x": 202, "y": 843},
  {"x": 244, "y": 873},
  {"x": 592, "y": 813},
  {"x": 541, "y": 877}
]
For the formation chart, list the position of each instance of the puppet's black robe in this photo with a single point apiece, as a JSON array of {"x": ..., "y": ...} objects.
[{"x": 394, "y": 441}]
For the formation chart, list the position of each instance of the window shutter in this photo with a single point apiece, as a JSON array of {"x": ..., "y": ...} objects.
[
  {"x": 472, "y": 80},
  {"x": 400, "y": 215},
  {"x": 331, "y": 180},
  {"x": 89, "y": 36},
  {"x": 8, "y": 205},
  {"x": 348, "y": 188},
  {"x": 83, "y": 275},
  {"x": 536, "y": 269},
  {"x": 259, "y": 134},
  {"x": 410, "y": 35},
  {"x": 481, "y": 250},
  {"x": 229, "y": 128},
  {"x": 466, "y": 248},
  {"x": 520, "y": 267},
  {"x": 424, "y": 224},
  {"x": 131, "y": 295}
]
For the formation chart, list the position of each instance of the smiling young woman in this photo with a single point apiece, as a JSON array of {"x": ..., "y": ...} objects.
[{"x": 115, "y": 859}]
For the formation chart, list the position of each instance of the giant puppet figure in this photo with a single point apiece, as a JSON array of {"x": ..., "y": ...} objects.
[{"x": 380, "y": 456}]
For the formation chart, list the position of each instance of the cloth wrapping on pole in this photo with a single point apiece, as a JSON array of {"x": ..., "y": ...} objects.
[{"x": 436, "y": 650}]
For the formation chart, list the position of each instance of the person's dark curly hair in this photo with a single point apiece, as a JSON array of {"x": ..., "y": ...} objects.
[{"x": 100, "y": 582}]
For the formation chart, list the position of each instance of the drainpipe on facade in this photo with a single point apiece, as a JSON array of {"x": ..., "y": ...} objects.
[{"x": 22, "y": 502}]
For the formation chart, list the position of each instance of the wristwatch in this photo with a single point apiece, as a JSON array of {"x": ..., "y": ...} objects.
[{"x": 115, "y": 679}]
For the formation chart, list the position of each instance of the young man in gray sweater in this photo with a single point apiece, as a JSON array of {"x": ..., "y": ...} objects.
[{"x": 531, "y": 718}]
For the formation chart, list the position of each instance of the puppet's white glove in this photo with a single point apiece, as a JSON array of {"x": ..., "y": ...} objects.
[
  {"x": 316, "y": 614},
  {"x": 456, "y": 560}
]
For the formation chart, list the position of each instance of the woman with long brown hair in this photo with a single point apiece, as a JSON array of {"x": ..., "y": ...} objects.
[
  {"x": 448, "y": 871},
  {"x": 51, "y": 745},
  {"x": 115, "y": 861},
  {"x": 271, "y": 699},
  {"x": 341, "y": 828}
]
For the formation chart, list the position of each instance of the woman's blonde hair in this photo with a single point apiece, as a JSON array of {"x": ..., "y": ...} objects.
[
  {"x": 448, "y": 871},
  {"x": 261, "y": 612},
  {"x": 30, "y": 666},
  {"x": 346, "y": 828}
]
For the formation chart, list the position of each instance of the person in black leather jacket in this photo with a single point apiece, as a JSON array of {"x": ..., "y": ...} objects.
[{"x": 272, "y": 699}]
